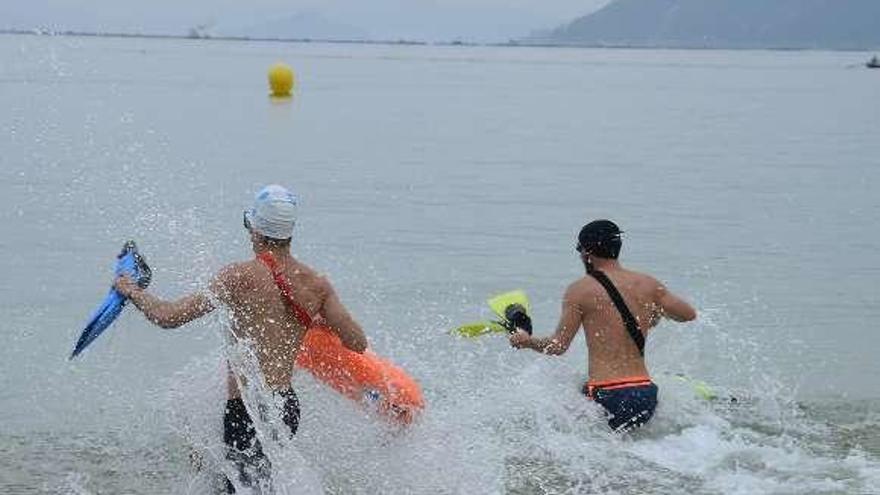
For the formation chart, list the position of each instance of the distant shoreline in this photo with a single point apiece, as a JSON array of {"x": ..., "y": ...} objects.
[{"x": 520, "y": 43}]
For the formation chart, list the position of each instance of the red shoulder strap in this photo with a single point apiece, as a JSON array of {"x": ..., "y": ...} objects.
[{"x": 300, "y": 313}]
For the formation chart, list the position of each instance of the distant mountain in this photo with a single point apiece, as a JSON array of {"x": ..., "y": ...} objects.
[
  {"x": 833, "y": 24},
  {"x": 302, "y": 25}
]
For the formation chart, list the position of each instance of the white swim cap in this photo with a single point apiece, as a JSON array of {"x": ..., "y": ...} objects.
[{"x": 274, "y": 212}]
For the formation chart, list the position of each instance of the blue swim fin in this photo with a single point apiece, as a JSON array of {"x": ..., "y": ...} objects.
[{"x": 131, "y": 263}]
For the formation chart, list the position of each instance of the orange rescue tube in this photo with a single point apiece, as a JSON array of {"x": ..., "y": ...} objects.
[{"x": 365, "y": 378}]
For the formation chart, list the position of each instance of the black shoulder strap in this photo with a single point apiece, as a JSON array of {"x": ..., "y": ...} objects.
[{"x": 629, "y": 321}]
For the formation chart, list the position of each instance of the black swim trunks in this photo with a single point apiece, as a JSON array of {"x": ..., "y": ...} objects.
[
  {"x": 240, "y": 436},
  {"x": 630, "y": 403}
]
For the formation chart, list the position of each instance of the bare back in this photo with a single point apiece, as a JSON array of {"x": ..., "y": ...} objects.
[
  {"x": 612, "y": 352},
  {"x": 260, "y": 314},
  {"x": 613, "y": 355}
]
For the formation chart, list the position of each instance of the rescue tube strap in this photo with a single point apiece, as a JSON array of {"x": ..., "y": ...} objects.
[
  {"x": 629, "y": 321},
  {"x": 300, "y": 313}
]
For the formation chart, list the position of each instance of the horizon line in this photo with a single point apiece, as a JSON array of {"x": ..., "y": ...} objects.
[{"x": 533, "y": 42}]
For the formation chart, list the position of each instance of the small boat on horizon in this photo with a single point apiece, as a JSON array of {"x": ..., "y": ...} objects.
[{"x": 874, "y": 63}]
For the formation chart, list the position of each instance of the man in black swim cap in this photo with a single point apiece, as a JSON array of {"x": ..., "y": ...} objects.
[
  {"x": 601, "y": 238},
  {"x": 616, "y": 308}
]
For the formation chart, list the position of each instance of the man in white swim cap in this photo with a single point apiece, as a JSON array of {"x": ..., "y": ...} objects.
[
  {"x": 273, "y": 214},
  {"x": 272, "y": 301}
]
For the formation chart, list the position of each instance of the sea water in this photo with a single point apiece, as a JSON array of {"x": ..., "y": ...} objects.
[{"x": 431, "y": 178}]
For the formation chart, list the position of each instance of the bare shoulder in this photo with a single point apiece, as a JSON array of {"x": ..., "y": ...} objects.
[
  {"x": 238, "y": 270},
  {"x": 230, "y": 280},
  {"x": 647, "y": 283},
  {"x": 235, "y": 275},
  {"x": 307, "y": 276},
  {"x": 304, "y": 272},
  {"x": 582, "y": 292},
  {"x": 301, "y": 269}
]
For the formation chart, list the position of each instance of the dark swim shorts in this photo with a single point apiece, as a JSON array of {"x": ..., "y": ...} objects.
[
  {"x": 240, "y": 436},
  {"x": 630, "y": 403}
]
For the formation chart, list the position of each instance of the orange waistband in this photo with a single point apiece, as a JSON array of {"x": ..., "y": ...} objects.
[{"x": 631, "y": 381}]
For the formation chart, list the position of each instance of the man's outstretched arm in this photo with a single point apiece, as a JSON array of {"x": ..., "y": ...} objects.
[
  {"x": 558, "y": 343},
  {"x": 166, "y": 314}
]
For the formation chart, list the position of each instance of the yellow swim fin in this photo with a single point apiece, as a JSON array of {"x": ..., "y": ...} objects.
[
  {"x": 500, "y": 302},
  {"x": 474, "y": 330}
]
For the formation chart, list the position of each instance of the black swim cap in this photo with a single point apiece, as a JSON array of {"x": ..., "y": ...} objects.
[{"x": 600, "y": 238}]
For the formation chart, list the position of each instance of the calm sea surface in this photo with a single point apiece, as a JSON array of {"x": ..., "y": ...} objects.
[{"x": 431, "y": 178}]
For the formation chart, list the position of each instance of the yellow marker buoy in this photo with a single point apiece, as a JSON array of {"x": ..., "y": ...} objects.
[{"x": 281, "y": 80}]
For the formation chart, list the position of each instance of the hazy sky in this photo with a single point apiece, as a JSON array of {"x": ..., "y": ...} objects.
[{"x": 424, "y": 19}]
